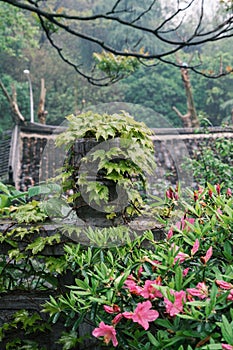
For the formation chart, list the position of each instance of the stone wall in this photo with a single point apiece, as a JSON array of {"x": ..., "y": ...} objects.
[
  {"x": 174, "y": 146},
  {"x": 35, "y": 158}
]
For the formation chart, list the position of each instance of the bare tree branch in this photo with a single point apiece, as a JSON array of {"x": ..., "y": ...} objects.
[
  {"x": 169, "y": 30},
  {"x": 17, "y": 117}
]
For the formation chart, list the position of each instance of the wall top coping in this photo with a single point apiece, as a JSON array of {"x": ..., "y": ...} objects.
[
  {"x": 193, "y": 131},
  {"x": 50, "y": 129}
]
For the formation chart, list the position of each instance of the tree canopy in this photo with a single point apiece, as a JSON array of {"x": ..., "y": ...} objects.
[
  {"x": 149, "y": 31},
  {"x": 153, "y": 89}
]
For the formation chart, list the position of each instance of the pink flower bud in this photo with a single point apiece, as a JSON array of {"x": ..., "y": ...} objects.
[
  {"x": 195, "y": 196},
  {"x": 218, "y": 188},
  {"x": 195, "y": 247},
  {"x": 170, "y": 233},
  {"x": 223, "y": 284},
  {"x": 206, "y": 258}
]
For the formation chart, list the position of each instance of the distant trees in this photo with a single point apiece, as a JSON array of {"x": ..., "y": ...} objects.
[
  {"x": 29, "y": 31},
  {"x": 148, "y": 30}
]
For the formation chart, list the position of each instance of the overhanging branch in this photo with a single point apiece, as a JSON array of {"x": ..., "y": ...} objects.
[{"x": 167, "y": 31}]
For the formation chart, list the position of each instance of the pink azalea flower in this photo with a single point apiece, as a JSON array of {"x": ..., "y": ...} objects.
[
  {"x": 170, "y": 233},
  {"x": 201, "y": 290},
  {"x": 154, "y": 263},
  {"x": 227, "y": 346},
  {"x": 182, "y": 224},
  {"x": 195, "y": 247},
  {"x": 206, "y": 258},
  {"x": 132, "y": 286},
  {"x": 185, "y": 271},
  {"x": 189, "y": 220},
  {"x": 171, "y": 194},
  {"x": 181, "y": 257},
  {"x": 149, "y": 291},
  {"x": 142, "y": 314},
  {"x": 112, "y": 309},
  {"x": 230, "y": 295},
  {"x": 176, "y": 307},
  {"x": 224, "y": 285},
  {"x": 106, "y": 331},
  {"x": 117, "y": 319}
]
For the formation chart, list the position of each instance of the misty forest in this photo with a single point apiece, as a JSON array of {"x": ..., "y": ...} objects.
[{"x": 35, "y": 43}]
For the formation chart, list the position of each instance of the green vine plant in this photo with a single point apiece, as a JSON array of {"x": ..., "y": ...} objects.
[
  {"x": 123, "y": 155},
  {"x": 31, "y": 323},
  {"x": 31, "y": 263}
]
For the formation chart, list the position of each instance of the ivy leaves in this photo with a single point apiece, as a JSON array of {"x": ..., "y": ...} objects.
[
  {"x": 102, "y": 127},
  {"x": 123, "y": 154}
]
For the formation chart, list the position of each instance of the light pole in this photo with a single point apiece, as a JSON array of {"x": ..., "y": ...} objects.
[{"x": 27, "y": 72}]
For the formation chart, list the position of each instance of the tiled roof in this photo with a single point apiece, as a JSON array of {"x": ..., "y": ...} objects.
[
  {"x": 39, "y": 159},
  {"x": 5, "y": 147}
]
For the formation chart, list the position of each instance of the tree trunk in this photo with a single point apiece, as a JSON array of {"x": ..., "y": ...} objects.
[
  {"x": 190, "y": 119},
  {"x": 41, "y": 110},
  {"x": 16, "y": 114}
]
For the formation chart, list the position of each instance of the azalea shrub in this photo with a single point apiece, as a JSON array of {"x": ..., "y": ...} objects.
[
  {"x": 212, "y": 162},
  {"x": 171, "y": 294}
]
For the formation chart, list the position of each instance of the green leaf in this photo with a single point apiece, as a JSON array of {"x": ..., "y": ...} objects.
[
  {"x": 37, "y": 246},
  {"x": 4, "y": 201},
  {"x": 212, "y": 347},
  {"x": 186, "y": 317},
  {"x": 98, "y": 300},
  {"x": 178, "y": 278},
  {"x": 82, "y": 284},
  {"x": 4, "y": 189},
  {"x": 227, "y": 330},
  {"x": 164, "y": 323},
  {"x": 175, "y": 339},
  {"x": 152, "y": 339},
  {"x": 119, "y": 281}
]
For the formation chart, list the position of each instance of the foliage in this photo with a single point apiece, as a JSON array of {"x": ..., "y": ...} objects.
[
  {"x": 30, "y": 323},
  {"x": 122, "y": 156},
  {"x": 8, "y": 194},
  {"x": 214, "y": 163},
  {"x": 116, "y": 66},
  {"x": 16, "y": 31},
  {"x": 27, "y": 264},
  {"x": 131, "y": 23},
  {"x": 183, "y": 284},
  {"x": 22, "y": 206},
  {"x": 158, "y": 87},
  {"x": 22, "y": 93},
  {"x": 171, "y": 294}
]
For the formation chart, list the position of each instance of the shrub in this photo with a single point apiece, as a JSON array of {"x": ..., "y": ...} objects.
[
  {"x": 213, "y": 163},
  {"x": 118, "y": 157},
  {"x": 172, "y": 294}
]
